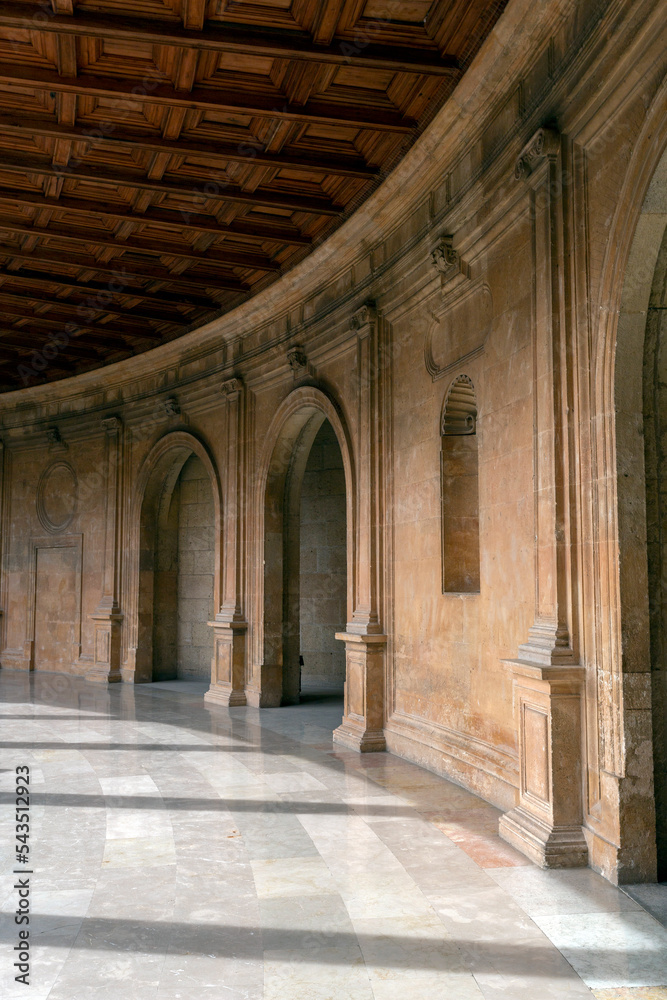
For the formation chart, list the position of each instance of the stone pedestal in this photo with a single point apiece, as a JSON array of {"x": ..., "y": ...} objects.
[
  {"x": 363, "y": 721},
  {"x": 228, "y": 666},
  {"x": 266, "y": 692},
  {"x": 547, "y": 823},
  {"x": 106, "y": 656}
]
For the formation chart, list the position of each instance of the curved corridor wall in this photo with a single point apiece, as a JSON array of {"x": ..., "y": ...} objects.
[{"x": 488, "y": 258}]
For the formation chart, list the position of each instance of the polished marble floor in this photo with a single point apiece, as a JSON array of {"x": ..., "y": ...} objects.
[{"x": 187, "y": 853}]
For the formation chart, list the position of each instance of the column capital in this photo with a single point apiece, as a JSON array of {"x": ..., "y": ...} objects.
[
  {"x": 364, "y": 317},
  {"x": 112, "y": 424},
  {"x": 543, "y": 145},
  {"x": 231, "y": 388}
]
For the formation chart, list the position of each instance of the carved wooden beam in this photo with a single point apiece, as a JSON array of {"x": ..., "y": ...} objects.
[
  {"x": 92, "y": 238},
  {"x": 209, "y": 187},
  {"x": 140, "y": 272},
  {"x": 161, "y": 92},
  {"x": 250, "y": 152},
  {"x": 136, "y": 314},
  {"x": 232, "y": 38},
  {"x": 91, "y": 287},
  {"x": 158, "y": 217}
]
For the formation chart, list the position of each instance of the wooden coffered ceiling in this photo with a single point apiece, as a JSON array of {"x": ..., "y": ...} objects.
[{"x": 162, "y": 160}]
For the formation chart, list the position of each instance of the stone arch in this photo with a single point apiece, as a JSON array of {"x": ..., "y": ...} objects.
[
  {"x": 621, "y": 644},
  {"x": 281, "y": 468},
  {"x": 149, "y": 508},
  {"x": 655, "y": 454}
]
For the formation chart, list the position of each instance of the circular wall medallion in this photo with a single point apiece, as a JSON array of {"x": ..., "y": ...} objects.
[{"x": 57, "y": 496}]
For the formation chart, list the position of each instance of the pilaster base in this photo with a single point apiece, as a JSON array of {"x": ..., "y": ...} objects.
[
  {"x": 547, "y": 846},
  {"x": 263, "y": 699},
  {"x": 546, "y": 825},
  {"x": 363, "y": 721},
  {"x": 225, "y": 696},
  {"x": 106, "y": 662},
  {"x": 98, "y": 675},
  {"x": 361, "y": 740},
  {"x": 227, "y": 665},
  {"x": 18, "y": 659}
]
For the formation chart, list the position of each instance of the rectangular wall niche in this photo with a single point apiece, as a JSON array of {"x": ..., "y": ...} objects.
[{"x": 459, "y": 464}]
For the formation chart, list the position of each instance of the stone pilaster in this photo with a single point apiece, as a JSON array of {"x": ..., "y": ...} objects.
[
  {"x": 230, "y": 627},
  {"x": 365, "y": 643},
  {"x": 107, "y": 617},
  {"x": 547, "y": 824},
  {"x": 548, "y": 642}
]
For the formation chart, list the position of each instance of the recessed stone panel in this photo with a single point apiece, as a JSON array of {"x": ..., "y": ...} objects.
[
  {"x": 460, "y": 331},
  {"x": 57, "y": 496}
]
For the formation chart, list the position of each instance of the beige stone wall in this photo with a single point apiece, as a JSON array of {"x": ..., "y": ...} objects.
[
  {"x": 540, "y": 295},
  {"x": 323, "y": 576}
]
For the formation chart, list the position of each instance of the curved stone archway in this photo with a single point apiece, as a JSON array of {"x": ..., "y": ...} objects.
[
  {"x": 621, "y": 643},
  {"x": 153, "y": 573},
  {"x": 274, "y": 673}
]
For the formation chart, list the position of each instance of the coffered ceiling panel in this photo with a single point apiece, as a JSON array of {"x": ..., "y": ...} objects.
[{"x": 160, "y": 162}]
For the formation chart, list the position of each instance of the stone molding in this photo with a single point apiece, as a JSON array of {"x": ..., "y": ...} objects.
[{"x": 458, "y": 298}]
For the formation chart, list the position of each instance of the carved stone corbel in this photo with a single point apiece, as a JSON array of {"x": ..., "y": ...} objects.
[
  {"x": 543, "y": 145},
  {"x": 365, "y": 316},
  {"x": 298, "y": 362},
  {"x": 231, "y": 387},
  {"x": 172, "y": 407},
  {"x": 447, "y": 261},
  {"x": 111, "y": 424},
  {"x": 54, "y": 438}
]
